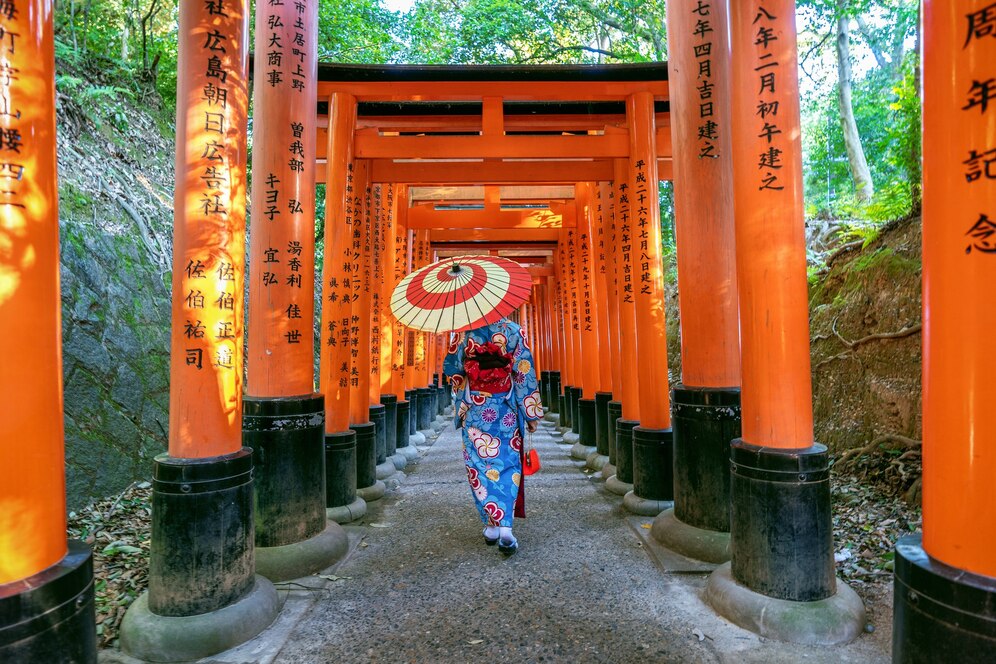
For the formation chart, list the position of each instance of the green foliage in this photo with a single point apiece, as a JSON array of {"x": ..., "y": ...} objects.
[{"x": 886, "y": 107}]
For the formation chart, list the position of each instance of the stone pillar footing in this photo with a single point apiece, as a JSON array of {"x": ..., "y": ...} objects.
[
  {"x": 410, "y": 452},
  {"x": 399, "y": 460},
  {"x": 417, "y": 439},
  {"x": 607, "y": 470},
  {"x": 157, "y": 638},
  {"x": 386, "y": 469},
  {"x": 373, "y": 492},
  {"x": 293, "y": 561},
  {"x": 940, "y": 613},
  {"x": 49, "y": 616},
  {"x": 834, "y": 620},
  {"x": 710, "y": 546},
  {"x": 596, "y": 461},
  {"x": 580, "y": 451},
  {"x": 645, "y": 506},
  {"x": 617, "y": 486},
  {"x": 347, "y": 513}
]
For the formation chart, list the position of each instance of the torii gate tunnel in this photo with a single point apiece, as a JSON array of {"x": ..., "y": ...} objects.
[{"x": 557, "y": 167}]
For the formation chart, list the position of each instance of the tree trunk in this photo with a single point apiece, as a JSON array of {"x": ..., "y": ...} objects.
[{"x": 860, "y": 174}]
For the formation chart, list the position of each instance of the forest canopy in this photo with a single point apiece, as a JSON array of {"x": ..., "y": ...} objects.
[{"x": 859, "y": 68}]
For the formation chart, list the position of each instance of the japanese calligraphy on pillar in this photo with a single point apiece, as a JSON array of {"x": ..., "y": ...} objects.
[
  {"x": 768, "y": 71},
  {"x": 209, "y": 184},
  {"x": 703, "y": 45},
  {"x": 282, "y": 270},
  {"x": 372, "y": 285},
  {"x": 625, "y": 235},
  {"x": 584, "y": 242},
  {"x": 977, "y": 111},
  {"x": 642, "y": 200},
  {"x": 400, "y": 270},
  {"x": 572, "y": 275}
]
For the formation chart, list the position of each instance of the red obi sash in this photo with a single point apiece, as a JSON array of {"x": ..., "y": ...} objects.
[{"x": 488, "y": 368}]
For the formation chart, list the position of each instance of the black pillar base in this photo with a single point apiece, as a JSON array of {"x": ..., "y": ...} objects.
[
  {"x": 555, "y": 394},
  {"x": 940, "y": 613},
  {"x": 575, "y": 410},
  {"x": 624, "y": 449},
  {"x": 434, "y": 401},
  {"x": 602, "y": 400},
  {"x": 781, "y": 534},
  {"x": 204, "y": 595},
  {"x": 341, "y": 502},
  {"x": 390, "y": 403},
  {"x": 287, "y": 436},
  {"x": 377, "y": 416},
  {"x": 544, "y": 386},
  {"x": 202, "y": 556},
  {"x": 706, "y": 420},
  {"x": 366, "y": 454},
  {"x": 564, "y": 404},
  {"x": 425, "y": 411},
  {"x": 653, "y": 472},
  {"x": 49, "y": 616},
  {"x": 614, "y": 410},
  {"x": 411, "y": 396},
  {"x": 586, "y": 430},
  {"x": 440, "y": 400}
]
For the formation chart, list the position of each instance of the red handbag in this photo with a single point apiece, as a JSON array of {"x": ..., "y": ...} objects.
[{"x": 531, "y": 462}]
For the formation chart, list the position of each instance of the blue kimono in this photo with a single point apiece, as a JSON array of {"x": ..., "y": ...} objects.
[{"x": 495, "y": 393}]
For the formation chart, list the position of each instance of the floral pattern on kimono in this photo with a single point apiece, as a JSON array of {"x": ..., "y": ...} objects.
[{"x": 494, "y": 425}]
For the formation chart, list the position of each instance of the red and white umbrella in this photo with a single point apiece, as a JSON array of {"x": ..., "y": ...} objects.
[{"x": 460, "y": 293}]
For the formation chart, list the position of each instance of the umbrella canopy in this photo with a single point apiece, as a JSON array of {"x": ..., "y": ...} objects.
[{"x": 460, "y": 293}]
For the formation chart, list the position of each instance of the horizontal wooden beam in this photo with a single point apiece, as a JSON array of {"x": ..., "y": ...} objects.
[
  {"x": 478, "y": 90},
  {"x": 493, "y": 172},
  {"x": 513, "y": 238},
  {"x": 490, "y": 172},
  {"x": 491, "y": 147},
  {"x": 425, "y": 216},
  {"x": 540, "y": 270}
]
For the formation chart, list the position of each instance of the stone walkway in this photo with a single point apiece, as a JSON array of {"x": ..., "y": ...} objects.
[{"x": 419, "y": 585}]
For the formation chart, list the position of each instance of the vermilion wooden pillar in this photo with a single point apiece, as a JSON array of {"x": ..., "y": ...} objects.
[
  {"x": 599, "y": 298},
  {"x": 575, "y": 312},
  {"x": 553, "y": 322},
  {"x": 567, "y": 378},
  {"x": 706, "y": 403},
  {"x": 390, "y": 396},
  {"x": 196, "y": 566},
  {"x": 608, "y": 296},
  {"x": 39, "y": 571},
  {"x": 590, "y": 378},
  {"x": 336, "y": 332},
  {"x": 653, "y": 461},
  {"x": 780, "y": 529},
  {"x": 622, "y": 482},
  {"x": 372, "y": 286},
  {"x": 952, "y": 571},
  {"x": 336, "y": 280},
  {"x": 283, "y": 418}
]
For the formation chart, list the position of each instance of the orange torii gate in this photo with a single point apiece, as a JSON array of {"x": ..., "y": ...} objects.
[{"x": 601, "y": 131}]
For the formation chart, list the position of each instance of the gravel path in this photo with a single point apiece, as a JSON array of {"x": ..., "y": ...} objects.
[{"x": 421, "y": 586}]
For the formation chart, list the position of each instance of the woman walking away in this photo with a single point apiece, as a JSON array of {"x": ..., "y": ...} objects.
[{"x": 497, "y": 401}]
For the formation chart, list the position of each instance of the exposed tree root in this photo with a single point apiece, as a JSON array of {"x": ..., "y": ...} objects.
[{"x": 851, "y": 345}]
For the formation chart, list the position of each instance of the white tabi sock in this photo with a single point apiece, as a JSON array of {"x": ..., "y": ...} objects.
[
  {"x": 506, "y": 535},
  {"x": 491, "y": 532}
]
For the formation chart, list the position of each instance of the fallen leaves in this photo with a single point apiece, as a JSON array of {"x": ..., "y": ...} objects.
[{"x": 118, "y": 530}]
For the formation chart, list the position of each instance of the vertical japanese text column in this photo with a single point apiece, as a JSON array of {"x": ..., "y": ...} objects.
[
  {"x": 781, "y": 539},
  {"x": 653, "y": 462},
  {"x": 39, "y": 570},
  {"x": 953, "y": 569},
  {"x": 706, "y": 403}
]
